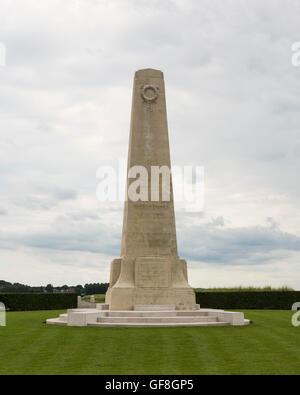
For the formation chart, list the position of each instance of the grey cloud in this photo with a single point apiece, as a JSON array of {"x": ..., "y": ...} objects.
[
  {"x": 64, "y": 194},
  {"x": 45, "y": 198},
  {"x": 273, "y": 224},
  {"x": 219, "y": 221},
  {"x": 237, "y": 246},
  {"x": 80, "y": 216},
  {"x": 97, "y": 240},
  {"x": 35, "y": 203},
  {"x": 71, "y": 232}
]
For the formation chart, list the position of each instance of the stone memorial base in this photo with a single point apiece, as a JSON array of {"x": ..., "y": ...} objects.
[
  {"x": 149, "y": 281},
  {"x": 148, "y": 316},
  {"x": 127, "y": 298}
]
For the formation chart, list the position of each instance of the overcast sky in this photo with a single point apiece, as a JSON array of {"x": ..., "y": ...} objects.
[{"x": 233, "y": 107}]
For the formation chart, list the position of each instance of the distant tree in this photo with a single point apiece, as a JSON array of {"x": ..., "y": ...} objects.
[
  {"x": 15, "y": 287},
  {"x": 88, "y": 289},
  {"x": 49, "y": 288},
  {"x": 4, "y": 283},
  {"x": 79, "y": 289},
  {"x": 95, "y": 288}
]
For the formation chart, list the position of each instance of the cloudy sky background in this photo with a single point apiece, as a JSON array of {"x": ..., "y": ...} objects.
[{"x": 233, "y": 107}]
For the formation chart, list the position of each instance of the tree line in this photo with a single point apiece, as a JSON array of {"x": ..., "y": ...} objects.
[{"x": 87, "y": 289}]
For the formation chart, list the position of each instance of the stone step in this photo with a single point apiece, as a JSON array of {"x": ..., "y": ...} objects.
[
  {"x": 196, "y": 313},
  {"x": 63, "y": 317},
  {"x": 156, "y": 325},
  {"x": 55, "y": 321},
  {"x": 154, "y": 307},
  {"x": 157, "y": 320},
  {"x": 102, "y": 306},
  {"x": 83, "y": 310}
]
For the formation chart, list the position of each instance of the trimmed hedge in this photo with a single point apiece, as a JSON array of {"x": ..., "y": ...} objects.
[
  {"x": 248, "y": 300},
  {"x": 38, "y": 301},
  {"x": 214, "y": 300}
]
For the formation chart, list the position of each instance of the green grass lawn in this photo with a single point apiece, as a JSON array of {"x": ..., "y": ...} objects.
[{"x": 271, "y": 345}]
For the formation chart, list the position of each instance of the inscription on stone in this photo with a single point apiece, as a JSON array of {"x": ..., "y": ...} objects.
[
  {"x": 152, "y": 272},
  {"x": 151, "y": 206}
]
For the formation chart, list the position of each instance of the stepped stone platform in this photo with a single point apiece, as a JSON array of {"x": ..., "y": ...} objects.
[{"x": 148, "y": 316}]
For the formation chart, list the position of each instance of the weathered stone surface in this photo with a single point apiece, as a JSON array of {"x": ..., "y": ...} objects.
[{"x": 149, "y": 270}]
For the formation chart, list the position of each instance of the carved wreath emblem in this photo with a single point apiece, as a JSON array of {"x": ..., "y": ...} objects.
[{"x": 149, "y": 93}]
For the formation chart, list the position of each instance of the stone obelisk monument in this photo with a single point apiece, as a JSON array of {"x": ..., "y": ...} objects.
[
  {"x": 149, "y": 271},
  {"x": 149, "y": 275}
]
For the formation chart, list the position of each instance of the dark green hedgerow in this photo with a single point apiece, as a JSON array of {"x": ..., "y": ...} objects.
[
  {"x": 38, "y": 301},
  {"x": 216, "y": 300},
  {"x": 248, "y": 300}
]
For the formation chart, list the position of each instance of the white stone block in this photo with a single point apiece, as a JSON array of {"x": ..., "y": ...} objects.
[
  {"x": 82, "y": 318},
  {"x": 233, "y": 318}
]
